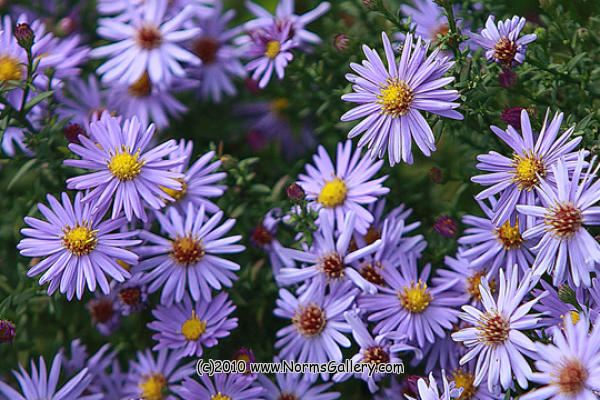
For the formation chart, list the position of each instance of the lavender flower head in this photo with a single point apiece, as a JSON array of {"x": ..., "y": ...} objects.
[
  {"x": 7, "y": 331},
  {"x": 105, "y": 312},
  {"x": 124, "y": 167},
  {"x": 502, "y": 43},
  {"x": 225, "y": 386},
  {"x": 429, "y": 390},
  {"x": 390, "y": 99},
  {"x": 80, "y": 250},
  {"x": 191, "y": 326}
]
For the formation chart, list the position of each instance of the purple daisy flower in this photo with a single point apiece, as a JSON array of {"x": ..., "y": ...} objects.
[
  {"x": 495, "y": 336},
  {"x": 105, "y": 312},
  {"x": 502, "y": 43},
  {"x": 124, "y": 167},
  {"x": 263, "y": 237},
  {"x": 269, "y": 50},
  {"x": 561, "y": 219},
  {"x": 330, "y": 260},
  {"x": 514, "y": 179},
  {"x": 110, "y": 384},
  {"x": 187, "y": 260},
  {"x": 492, "y": 245},
  {"x": 316, "y": 332},
  {"x": 146, "y": 41},
  {"x": 132, "y": 295},
  {"x": 464, "y": 379},
  {"x": 343, "y": 188},
  {"x": 225, "y": 386},
  {"x": 39, "y": 385},
  {"x": 295, "y": 386},
  {"x": 284, "y": 13},
  {"x": 83, "y": 101},
  {"x": 220, "y": 57},
  {"x": 407, "y": 305},
  {"x": 190, "y": 327},
  {"x": 149, "y": 378},
  {"x": 79, "y": 248},
  {"x": 570, "y": 365},
  {"x": 391, "y": 98},
  {"x": 428, "y": 389},
  {"x": 553, "y": 310},
  {"x": 79, "y": 359},
  {"x": 199, "y": 181}
]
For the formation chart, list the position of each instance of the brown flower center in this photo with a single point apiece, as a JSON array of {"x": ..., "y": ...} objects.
[
  {"x": 309, "y": 320},
  {"x": 571, "y": 377},
  {"x": 371, "y": 272},
  {"x": 261, "y": 236},
  {"x": 130, "y": 296},
  {"x": 102, "y": 311},
  {"x": 287, "y": 396},
  {"x": 142, "y": 87},
  {"x": 332, "y": 266},
  {"x": 494, "y": 328},
  {"x": 505, "y": 51},
  {"x": 187, "y": 250},
  {"x": 206, "y": 49},
  {"x": 375, "y": 355},
  {"x": 148, "y": 37},
  {"x": 563, "y": 220}
]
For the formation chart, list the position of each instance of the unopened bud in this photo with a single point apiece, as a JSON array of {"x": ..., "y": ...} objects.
[
  {"x": 435, "y": 175},
  {"x": 72, "y": 132},
  {"x": 340, "y": 41},
  {"x": 507, "y": 78},
  {"x": 24, "y": 35},
  {"x": 7, "y": 331},
  {"x": 295, "y": 192}
]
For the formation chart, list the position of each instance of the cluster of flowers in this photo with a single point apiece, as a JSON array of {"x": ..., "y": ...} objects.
[{"x": 360, "y": 276}]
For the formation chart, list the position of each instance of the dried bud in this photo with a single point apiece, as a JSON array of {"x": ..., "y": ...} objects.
[
  {"x": 7, "y": 331},
  {"x": 24, "y": 35},
  {"x": 435, "y": 175},
  {"x": 446, "y": 226},
  {"x": 512, "y": 116},
  {"x": 72, "y": 132},
  {"x": 295, "y": 192},
  {"x": 340, "y": 42},
  {"x": 507, "y": 78}
]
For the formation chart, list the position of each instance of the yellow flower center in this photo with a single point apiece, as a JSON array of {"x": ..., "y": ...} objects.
[
  {"x": 124, "y": 165},
  {"x": 494, "y": 328},
  {"x": 152, "y": 386},
  {"x": 81, "y": 239},
  {"x": 272, "y": 49},
  {"x": 464, "y": 379},
  {"x": 395, "y": 98},
  {"x": 526, "y": 171},
  {"x": 574, "y": 318},
  {"x": 10, "y": 69},
  {"x": 187, "y": 250},
  {"x": 176, "y": 194},
  {"x": 141, "y": 87},
  {"x": 415, "y": 298},
  {"x": 219, "y": 396},
  {"x": 509, "y": 235},
  {"x": 124, "y": 265},
  {"x": 333, "y": 193},
  {"x": 473, "y": 281},
  {"x": 571, "y": 377},
  {"x": 193, "y": 328}
]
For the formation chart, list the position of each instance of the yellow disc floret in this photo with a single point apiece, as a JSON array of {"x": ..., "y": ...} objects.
[
  {"x": 81, "y": 239},
  {"x": 10, "y": 69},
  {"x": 509, "y": 236},
  {"x": 187, "y": 250},
  {"x": 272, "y": 49},
  {"x": 125, "y": 166},
  {"x": 527, "y": 171},
  {"x": 193, "y": 328},
  {"x": 415, "y": 298},
  {"x": 219, "y": 396},
  {"x": 152, "y": 386},
  {"x": 464, "y": 380},
  {"x": 174, "y": 193},
  {"x": 142, "y": 87},
  {"x": 395, "y": 98},
  {"x": 333, "y": 193}
]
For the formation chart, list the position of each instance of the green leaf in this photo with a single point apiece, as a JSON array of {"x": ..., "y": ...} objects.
[
  {"x": 26, "y": 167},
  {"x": 38, "y": 99}
]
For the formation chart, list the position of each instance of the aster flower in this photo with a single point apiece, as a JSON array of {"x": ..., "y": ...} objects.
[
  {"x": 190, "y": 327},
  {"x": 514, "y": 179},
  {"x": 187, "y": 260},
  {"x": 80, "y": 359},
  {"x": 570, "y": 365},
  {"x": 495, "y": 336},
  {"x": 343, "y": 188},
  {"x": 263, "y": 237},
  {"x": 429, "y": 390},
  {"x": 105, "y": 312},
  {"x": 199, "y": 182},
  {"x": 82, "y": 100},
  {"x": 284, "y": 13},
  {"x": 220, "y": 57},
  {"x": 225, "y": 386},
  {"x": 316, "y": 332},
  {"x": 39, "y": 385},
  {"x": 502, "y": 43},
  {"x": 110, "y": 384},
  {"x": 466, "y": 275},
  {"x": 493, "y": 245},
  {"x": 79, "y": 248},
  {"x": 146, "y": 41},
  {"x": 391, "y": 99},
  {"x": 132, "y": 295},
  {"x": 269, "y": 50},
  {"x": 295, "y": 386},
  {"x": 408, "y": 305},
  {"x": 330, "y": 260},
  {"x": 150, "y": 377},
  {"x": 561, "y": 219},
  {"x": 553, "y": 310},
  {"x": 124, "y": 167}
]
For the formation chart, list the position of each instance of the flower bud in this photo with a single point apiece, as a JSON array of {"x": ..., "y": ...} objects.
[
  {"x": 446, "y": 226},
  {"x": 512, "y": 116},
  {"x": 72, "y": 132},
  {"x": 295, "y": 192},
  {"x": 435, "y": 175},
  {"x": 340, "y": 42},
  {"x": 7, "y": 332},
  {"x": 24, "y": 35},
  {"x": 507, "y": 78}
]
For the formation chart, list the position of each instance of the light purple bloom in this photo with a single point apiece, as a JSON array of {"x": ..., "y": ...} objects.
[
  {"x": 40, "y": 385},
  {"x": 83, "y": 100},
  {"x": 80, "y": 249},
  {"x": 124, "y": 167},
  {"x": 105, "y": 312},
  {"x": 495, "y": 336},
  {"x": 146, "y": 41},
  {"x": 514, "y": 179},
  {"x": 79, "y": 359},
  {"x": 295, "y": 386},
  {"x": 553, "y": 310},
  {"x": 228, "y": 386},
  {"x": 191, "y": 326},
  {"x": 502, "y": 43},
  {"x": 345, "y": 187},
  {"x": 390, "y": 99},
  {"x": 429, "y": 390},
  {"x": 560, "y": 222},
  {"x": 187, "y": 260},
  {"x": 465, "y": 275},
  {"x": 149, "y": 377},
  {"x": 132, "y": 295}
]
